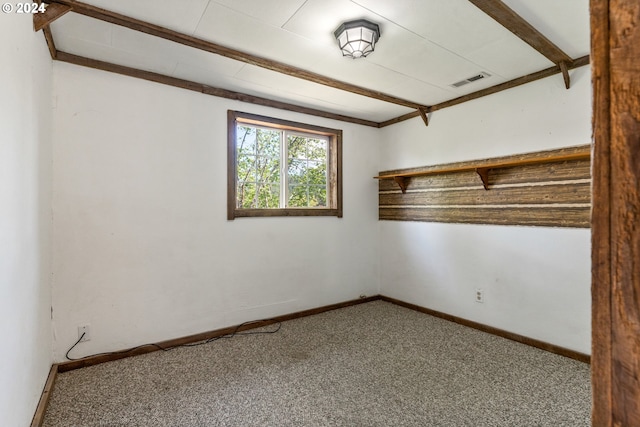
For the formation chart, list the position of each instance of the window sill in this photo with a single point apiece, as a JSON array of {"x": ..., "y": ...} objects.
[{"x": 239, "y": 213}]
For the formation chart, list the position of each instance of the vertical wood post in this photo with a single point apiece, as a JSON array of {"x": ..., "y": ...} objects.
[{"x": 615, "y": 58}]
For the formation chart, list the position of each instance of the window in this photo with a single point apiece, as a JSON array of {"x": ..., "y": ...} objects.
[{"x": 282, "y": 168}]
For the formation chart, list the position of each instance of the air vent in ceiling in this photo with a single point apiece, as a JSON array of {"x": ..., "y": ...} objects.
[{"x": 471, "y": 79}]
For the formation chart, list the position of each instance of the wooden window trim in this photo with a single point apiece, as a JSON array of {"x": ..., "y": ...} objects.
[{"x": 334, "y": 169}]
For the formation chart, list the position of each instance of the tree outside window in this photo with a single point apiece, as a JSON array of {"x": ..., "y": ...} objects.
[{"x": 281, "y": 168}]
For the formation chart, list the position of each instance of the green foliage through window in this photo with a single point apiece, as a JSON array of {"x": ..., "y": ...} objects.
[
  {"x": 282, "y": 168},
  {"x": 263, "y": 182}
]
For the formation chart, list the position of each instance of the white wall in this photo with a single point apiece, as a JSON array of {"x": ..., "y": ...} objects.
[
  {"x": 25, "y": 218},
  {"x": 536, "y": 279},
  {"x": 143, "y": 251},
  {"x": 142, "y": 248}
]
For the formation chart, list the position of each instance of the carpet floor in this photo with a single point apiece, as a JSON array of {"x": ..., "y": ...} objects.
[{"x": 374, "y": 364}]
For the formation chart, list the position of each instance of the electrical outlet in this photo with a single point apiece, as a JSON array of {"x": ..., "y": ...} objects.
[
  {"x": 479, "y": 295},
  {"x": 86, "y": 330}
]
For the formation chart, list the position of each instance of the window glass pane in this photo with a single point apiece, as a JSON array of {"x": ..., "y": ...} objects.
[
  {"x": 268, "y": 196},
  {"x": 268, "y": 169},
  {"x": 258, "y": 167},
  {"x": 317, "y": 149},
  {"x": 282, "y": 164},
  {"x": 298, "y": 197},
  {"x": 296, "y": 147},
  {"x": 268, "y": 142},
  {"x": 317, "y": 196},
  {"x": 297, "y": 169},
  {"x": 307, "y": 166},
  {"x": 246, "y": 140},
  {"x": 246, "y": 194},
  {"x": 246, "y": 168},
  {"x": 316, "y": 173}
]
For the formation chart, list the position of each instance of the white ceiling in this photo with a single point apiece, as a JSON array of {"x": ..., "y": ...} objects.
[{"x": 425, "y": 46}]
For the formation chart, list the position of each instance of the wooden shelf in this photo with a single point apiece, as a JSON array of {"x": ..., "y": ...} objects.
[{"x": 482, "y": 167}]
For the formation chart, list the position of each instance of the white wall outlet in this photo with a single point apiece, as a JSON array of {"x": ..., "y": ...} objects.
[
  {"x": 479, "y": 295},
  {"x": 86, "y": 330}
]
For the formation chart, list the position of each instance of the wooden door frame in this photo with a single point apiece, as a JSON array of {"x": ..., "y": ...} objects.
[{"x": 615, "y": 223}]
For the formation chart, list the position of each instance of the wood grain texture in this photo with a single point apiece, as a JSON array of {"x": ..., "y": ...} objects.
[
  {"x": 565, "y": 74},
  {"x": 423, "y": 114},
  {"x": 247, "y": 213},
  {"x": 442, "y": 181},
  {"x": 534, "y": 193},
  {"x": 625, "y": 209},
  {"x": 513, "y": 22},
  {"x": 547, "y": 156},
  {"x": 52, "y": 12},
  {"x": 529, "y": 195},
  {"x": 526, "y": 216},
  {"x": 48, "y": 36},
  {"x": 616, "y": 206},
  {"x": 399, "y": 119},
  {"x": 232, "y": 161},
  {"x": 557, "y": 171},
  {"x": 576, "y": 170},
  {"x": 601, "y": 345},
  {"x": 494, "y": 331},
  {"x": 41, "y": 409},
  {"x": 336, "y": 175}
]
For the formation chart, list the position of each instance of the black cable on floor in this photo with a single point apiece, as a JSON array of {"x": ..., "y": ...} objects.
[{"x": 207, "y": 341}]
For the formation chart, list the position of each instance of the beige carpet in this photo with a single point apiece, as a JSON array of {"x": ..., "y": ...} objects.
[{"x": 375, "y": 364}]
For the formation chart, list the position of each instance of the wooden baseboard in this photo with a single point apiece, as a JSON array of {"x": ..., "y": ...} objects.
[
  {"x": 102, "y": 358},
  {"x": 94, "y": 360},
  {"x": 495, "y": 331},
  {"x": 38, "y": 417}
]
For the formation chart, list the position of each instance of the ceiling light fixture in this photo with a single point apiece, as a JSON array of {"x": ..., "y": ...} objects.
[{"x": 357, "y": 38}]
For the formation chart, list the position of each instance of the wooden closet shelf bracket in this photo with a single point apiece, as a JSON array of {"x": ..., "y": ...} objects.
[
  {"x": 483, "y": 173},
  {"x": 481, "y": 167},
  {"x": 402, "y": 183}
]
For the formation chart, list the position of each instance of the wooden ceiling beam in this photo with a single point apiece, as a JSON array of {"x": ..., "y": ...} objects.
[
  {"x": 584, "y": 60},
  {"x": 579, "y": 62},
  {"x": 52, "y": 12},
  {"x": 48, "y": 36},
  {"x": 41, "y": 21},
  {"x": 202, "y": 88},
  {"x": 513, "y": 22},
  {"x": 187, "y": 40},
  {"x": 158, "y": 31},
  {"x": 399, "y": 119}
]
